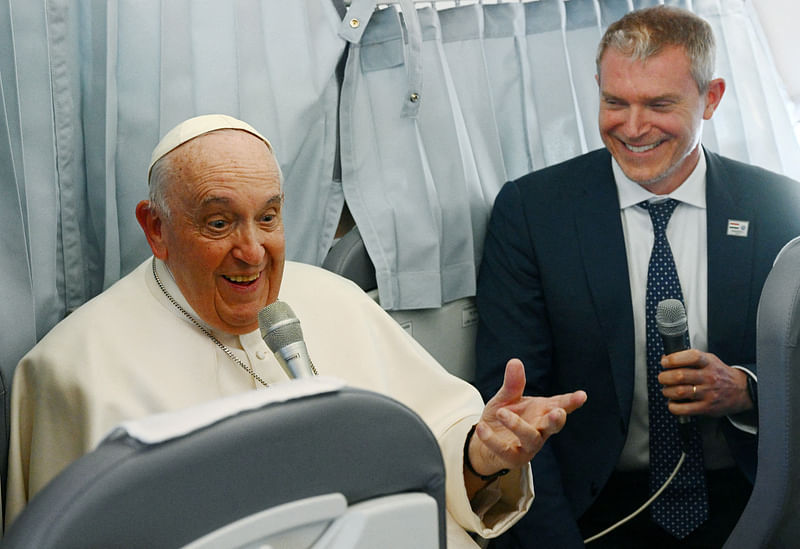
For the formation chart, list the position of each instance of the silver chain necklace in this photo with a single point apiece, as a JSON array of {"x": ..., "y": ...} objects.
[{"x": 202, "y": 328}]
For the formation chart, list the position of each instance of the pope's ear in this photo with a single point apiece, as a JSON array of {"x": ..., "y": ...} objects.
[{"x": 152, "y": 225}]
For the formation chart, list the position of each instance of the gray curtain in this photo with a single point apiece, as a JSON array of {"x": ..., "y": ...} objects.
[
  {"x": 87, "y": 89},
  {"x": 524, "y": 91}
]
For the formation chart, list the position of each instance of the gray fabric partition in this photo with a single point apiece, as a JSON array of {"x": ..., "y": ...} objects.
[
  {"x": 463, "y": 42},
  {"x": 386, "y": 178},
  {"x": 17, "y": 316},
  {"x": 509, "y": 75},
  {"x": 746, "y": 124},
  {"x": 582, "y": 32},
  {"x": 179, "y": 59},
  {"x": 559, "y": 129}
]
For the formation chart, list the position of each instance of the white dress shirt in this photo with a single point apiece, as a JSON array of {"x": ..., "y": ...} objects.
[{"x": 686, "y": 233}]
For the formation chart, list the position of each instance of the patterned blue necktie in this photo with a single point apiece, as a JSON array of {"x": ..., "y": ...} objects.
[{"x": 684, "y": 504}]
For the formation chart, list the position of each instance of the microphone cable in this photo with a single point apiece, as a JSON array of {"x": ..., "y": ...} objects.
[
  {"x": 645, "y": 505},
  {"x": 673, "y": 328}
]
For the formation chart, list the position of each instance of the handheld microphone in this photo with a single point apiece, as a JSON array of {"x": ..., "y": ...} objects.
[
  {"x": 281, "y": 331},
  {"x": 674, "y": 329}
]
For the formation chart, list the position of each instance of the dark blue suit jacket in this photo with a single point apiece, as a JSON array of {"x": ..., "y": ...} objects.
[{"x": 553, "y": 290}]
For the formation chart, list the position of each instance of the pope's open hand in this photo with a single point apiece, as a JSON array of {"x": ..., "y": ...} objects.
[{"x": 513, "y": 427}]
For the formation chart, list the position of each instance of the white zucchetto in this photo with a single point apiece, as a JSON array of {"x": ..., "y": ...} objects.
[{"x": 195, "y": 127}]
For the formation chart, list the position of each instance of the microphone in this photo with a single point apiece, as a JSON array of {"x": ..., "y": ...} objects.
[
  {"x": 672, "y": 325},
  {"x": 674, "y": 329},
  {"x": 281, "y": 331}
]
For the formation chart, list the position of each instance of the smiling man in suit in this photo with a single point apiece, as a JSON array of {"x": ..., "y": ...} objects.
[{"x": 576, "y": 259}]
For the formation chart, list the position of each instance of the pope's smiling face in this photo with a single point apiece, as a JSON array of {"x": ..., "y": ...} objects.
[
  {"x": 651, "y": 115},
  {"x": 223, "y": 240}
]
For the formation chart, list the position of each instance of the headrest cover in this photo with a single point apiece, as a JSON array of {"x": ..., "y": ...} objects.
[{"x": 195, "y": 127}]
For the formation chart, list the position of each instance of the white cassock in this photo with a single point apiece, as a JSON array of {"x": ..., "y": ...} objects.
[{"x": 129, "y": 353}]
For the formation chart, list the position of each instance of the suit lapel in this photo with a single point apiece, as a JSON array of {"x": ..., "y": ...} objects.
[
  {"x": 730, "y": 260},
  {"x": 602, "y": 245}
]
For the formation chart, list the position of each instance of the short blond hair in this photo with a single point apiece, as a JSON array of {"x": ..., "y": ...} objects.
[{"x": 643, "y": 33}]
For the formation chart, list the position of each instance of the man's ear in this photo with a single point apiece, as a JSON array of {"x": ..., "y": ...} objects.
[
  {"x": 716, "y": 89},
  {"x": 152, "y": 225}
]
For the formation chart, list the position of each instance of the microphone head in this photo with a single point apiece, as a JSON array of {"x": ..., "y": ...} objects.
[
  {"x": 279, "y": 326},
  {"x": 671, "y": 317}
]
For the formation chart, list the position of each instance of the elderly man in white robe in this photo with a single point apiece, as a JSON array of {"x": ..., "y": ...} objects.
[{"x": 182, "y": 329}]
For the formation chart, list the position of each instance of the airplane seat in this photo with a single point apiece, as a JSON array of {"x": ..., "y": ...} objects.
[
  {"x": 771, "y": 517},
  {"x": 447, "y": 333},
  {"x": 309, "y": 463},
  {"x": 348, "y": 257}
]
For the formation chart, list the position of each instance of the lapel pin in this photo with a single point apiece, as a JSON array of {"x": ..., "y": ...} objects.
[{"x": 737, "y": 227}]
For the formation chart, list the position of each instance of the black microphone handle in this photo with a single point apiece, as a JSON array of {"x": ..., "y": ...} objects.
[{"x": 672, "y": 344}]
